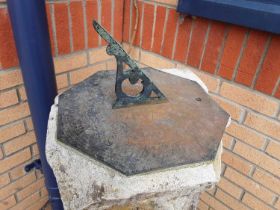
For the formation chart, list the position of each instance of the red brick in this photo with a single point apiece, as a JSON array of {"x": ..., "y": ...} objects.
[
  {"x": 254, "y": 202},
  {"x": 19, "y": 143},
  {"x": 14, "y": 113},
  {"x": 230, "y": 201},
  {"x": 98, "y": 55},
  {"x": 44, "y": 191},
  {"x": 22, "y": 93},
  {"x": 126, "y": 21},
  {"x": 39, "y": 174},
  {"x": 27, "y": 202},
  {"x": 10, "y": 79},
  {"x": 118, "y": 20},
  {"x": 251, "y": 57},
  {"x": 273, "y": 149},
  {"x": 227, "y": 141},
  {"x": 249, "y": 98},
  {"x": 4, "y": 180},
  {"x": 92, "y": 14},
  {"x": 233, "y": 109},
  {"x": 106, "y": 16},
  {"x": 152, "y": 60},
  {"x": 202, "y": 206},
  {"x": 8, "y": 98},
  {"x": 40, "y": 204},
  {"x": 232, "y": 50},
  {"x": 264, "y": 125},
  {"x": 277, "y": 204},
  {"x": 270, "y": 69},
  {"x": 81, "y": 74},
  {"x": 14, "y": 160},
  {"x": 250, "y": 186},
  {"x": 267, "y": 180},
  {"x": 61, "y": 81},
  {"x": 29, "y": 124},
  {"x": 246, "y": 135},
  {"x": 8, "y": 202},
  {"x": 277, "y": 93},
  {"x": 212, "y": 83},
  {"x": 35, "y": 149},
  {"x": 11, "y": 131},
  {"x": 258, "y": 158},
  {"x": 8, "y": 56},
  {"x": 159, "y": 25},
  {"x": 78, "y": 31},
  {"x": 17, "y": 172},
  {"x": 230, "y": 188},
  {"x": 48, "y": 9},
  {"x": 62, "y": 28},
  {"x": 182, "y": 41},
  {"x": 213, "y": 202},
  {"x": 48, "y": 206},
  {"x": 132, "y": 21},
  {"x": 199, "y": 30},
  {"x": 30, "y": 189},
  {"x": 147, "y": 26},
  {"x": 169, "y": 35},
  {"x": 137, "y": 39},
  {"x": 213, "y": 47},
  {"x": 70, "y": 62},
  {"x": 236, "y": 162}
]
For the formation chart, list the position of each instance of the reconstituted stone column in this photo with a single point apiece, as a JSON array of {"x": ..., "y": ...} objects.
[{"x": 87, "y": 183}]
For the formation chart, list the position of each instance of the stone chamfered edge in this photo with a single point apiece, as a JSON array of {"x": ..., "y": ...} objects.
[{"x": 94, "y": 181}]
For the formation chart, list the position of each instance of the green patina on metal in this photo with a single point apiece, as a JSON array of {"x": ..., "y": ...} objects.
[{"x": 134, "y": 75}]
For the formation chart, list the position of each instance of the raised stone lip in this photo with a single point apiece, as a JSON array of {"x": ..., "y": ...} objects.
[{"x": 186, "y": 74}]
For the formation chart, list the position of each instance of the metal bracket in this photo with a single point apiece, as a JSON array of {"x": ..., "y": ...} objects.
[
  {"x": 35, "y": 164},
  {"x": 134, "y": 74}
]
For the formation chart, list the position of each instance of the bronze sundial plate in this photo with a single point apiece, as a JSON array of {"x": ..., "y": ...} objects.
[{"x": 186, "y": 129}]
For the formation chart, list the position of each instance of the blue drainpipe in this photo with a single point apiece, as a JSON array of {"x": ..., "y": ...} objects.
[{"x": 30, "y": 28}]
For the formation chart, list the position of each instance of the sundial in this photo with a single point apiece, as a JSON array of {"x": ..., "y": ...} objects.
[
  {"x": 134, "y": 75},
  {"x": 167, "y": 121}
]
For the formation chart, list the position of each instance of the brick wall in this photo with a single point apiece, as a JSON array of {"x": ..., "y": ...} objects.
[
  {"x": 238, "y": 65},
  {"x": 241, "y": 68},
  {"x": 78, "y": 52}
]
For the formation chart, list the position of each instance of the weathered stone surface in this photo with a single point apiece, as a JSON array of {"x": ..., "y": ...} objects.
[
  {"x": 85, "y": 183},
  {"x": 185, "y": 129}
]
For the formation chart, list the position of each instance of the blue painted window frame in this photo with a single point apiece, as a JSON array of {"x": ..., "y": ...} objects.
[{"x": 257, "y": 14}]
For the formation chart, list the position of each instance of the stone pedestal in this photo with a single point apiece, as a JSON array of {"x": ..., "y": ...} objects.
[{"x": 86, "y": 183}]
